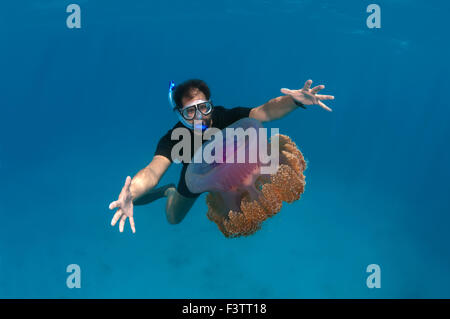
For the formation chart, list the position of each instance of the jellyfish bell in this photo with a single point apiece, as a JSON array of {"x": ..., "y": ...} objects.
[
  {"x": 242, "y": 194},
  {"x": 234, "y": 151}
]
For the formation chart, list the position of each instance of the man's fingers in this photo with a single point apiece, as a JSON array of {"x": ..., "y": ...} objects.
[
  {"x": 127, "y": 182},
  {"x": 307, "y": 85},
  {"x": 116, "y": 217},
  {"x": 114, "y": 204},
  {"x": 316, "y": 89},
  {"x": 125, "y": 186},
  {"x": 133, "y": 228},
  {"x": 122, "y": 222},
  {"x": 325, "y": 107},
  {"x": 325, "y": 97}
]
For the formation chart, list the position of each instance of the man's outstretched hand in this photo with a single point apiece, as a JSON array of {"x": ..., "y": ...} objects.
[
  {"x": 308, "y": 96},
  {"x": 125, "y": 205}
]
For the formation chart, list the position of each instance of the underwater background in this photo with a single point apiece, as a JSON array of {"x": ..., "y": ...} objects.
[{"x": 83, "y": 108}]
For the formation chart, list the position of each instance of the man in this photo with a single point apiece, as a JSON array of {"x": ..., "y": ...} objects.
[{"x": 191, "y": 102}]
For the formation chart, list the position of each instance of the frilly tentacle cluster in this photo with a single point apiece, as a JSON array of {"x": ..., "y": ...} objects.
[{"x": 287, "y": 185}]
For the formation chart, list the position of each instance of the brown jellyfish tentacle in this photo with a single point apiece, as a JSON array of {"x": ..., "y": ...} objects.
[
  {"x": 290, "y": 154},
  {"x": 271, "y": 199},
  {"x": 261, "y": 180},
  {"x": 287, "y": 144},
  {"x": 248, "y": 220},
  {"x": 253, "y": 211},
  {"x": 290, "y": 160},
  {"x": 235, "y": 223},
  {"x": 263, "y": 197},
  {"x": 217, "y": 211},
  {"x": 290, "y": 183},
  {"x": 238, "y": 224}
]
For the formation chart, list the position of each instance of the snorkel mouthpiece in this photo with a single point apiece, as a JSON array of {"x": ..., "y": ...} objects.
[{"x": 198, "y": 125}]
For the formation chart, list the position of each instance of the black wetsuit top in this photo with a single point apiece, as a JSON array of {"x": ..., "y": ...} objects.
[{"x": 221, "y": 118}]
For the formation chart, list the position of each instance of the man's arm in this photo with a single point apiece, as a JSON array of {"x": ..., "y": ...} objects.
[
  {"x": 147, "y": 178},
  {"x": 283, "y": 105},
  {"x": 274, "y": 109},
  {"x": 135, "y": 188}
]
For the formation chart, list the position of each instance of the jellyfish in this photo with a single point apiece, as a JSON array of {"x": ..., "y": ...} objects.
[{"x": 241, "y": 195}]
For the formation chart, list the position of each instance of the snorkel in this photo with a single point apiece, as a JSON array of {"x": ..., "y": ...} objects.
[{"x": 198, "y": 123}]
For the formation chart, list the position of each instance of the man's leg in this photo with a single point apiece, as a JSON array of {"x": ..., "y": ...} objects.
[
  {"x": 153, "y": 195},
  {"x": 177, "y": 205}
]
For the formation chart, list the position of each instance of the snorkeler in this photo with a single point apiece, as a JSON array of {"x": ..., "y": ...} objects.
[{"x": 191, "y": 101}]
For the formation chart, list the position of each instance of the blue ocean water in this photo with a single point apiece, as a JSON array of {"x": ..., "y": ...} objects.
[{"x": 83, "y": 108}]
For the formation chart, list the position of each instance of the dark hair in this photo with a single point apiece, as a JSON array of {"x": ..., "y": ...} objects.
[{"x": 185, "y": 89}]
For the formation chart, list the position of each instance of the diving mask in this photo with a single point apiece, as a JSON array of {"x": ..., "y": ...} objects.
[{"x": 195, "y": 111}]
